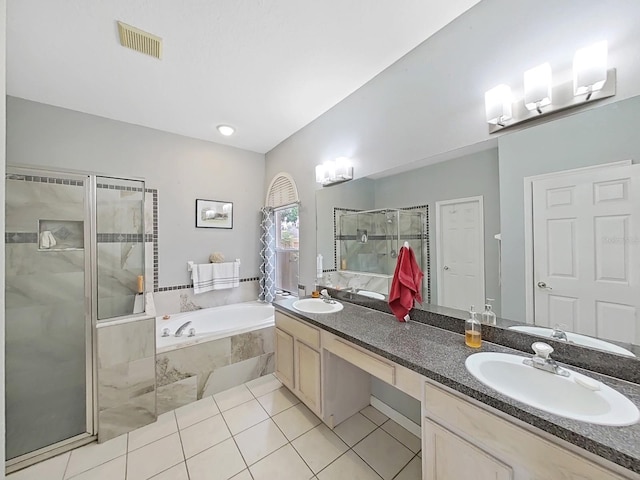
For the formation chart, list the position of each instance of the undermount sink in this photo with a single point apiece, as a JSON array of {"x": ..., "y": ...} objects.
[
  {"x": 587, "y": 401},
  {"x": 316, "y": 305},
  {"x": 576, "y": 338},
  {"x": 367, "y": 293}
]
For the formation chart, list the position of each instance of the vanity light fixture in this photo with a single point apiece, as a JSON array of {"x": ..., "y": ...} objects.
[
  {"x": 591, "y": 81},
  {"x": 537, "y": 87},
  {"x": 335, "y": 171},
  {"x": 226, "y": 130}
]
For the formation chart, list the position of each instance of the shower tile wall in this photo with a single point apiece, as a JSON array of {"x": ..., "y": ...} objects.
[
  {"x": 126, "y": 377},
  {"x": 45, "y": 317},
  {"x": 120, "y": 247}
]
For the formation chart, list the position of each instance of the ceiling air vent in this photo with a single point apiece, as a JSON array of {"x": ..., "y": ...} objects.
[{"x": 136, "y": 39}]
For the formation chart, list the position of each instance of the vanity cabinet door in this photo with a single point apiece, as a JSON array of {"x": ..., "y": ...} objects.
[
  {"x": 446, "y": 456},
  {"x": 308, "y": 375},
  {"x": 284, "y": 358}
]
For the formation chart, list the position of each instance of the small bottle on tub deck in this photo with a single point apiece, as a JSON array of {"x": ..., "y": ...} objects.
[{"x": 473, "y": 330}]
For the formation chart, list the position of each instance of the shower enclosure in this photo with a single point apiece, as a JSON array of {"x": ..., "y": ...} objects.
[
  {"x": 369, "y": 241},
  {"x": 74, "y": 247}
]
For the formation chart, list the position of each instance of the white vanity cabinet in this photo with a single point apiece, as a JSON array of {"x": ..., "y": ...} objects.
[
  {"x": 461, "y": 440},
  {"x": 298, "y": 364}
]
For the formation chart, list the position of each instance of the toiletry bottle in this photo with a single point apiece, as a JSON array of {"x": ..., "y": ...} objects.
[
  {"x": 488, "y": 316},
  {"x": 473, "y": 330}
]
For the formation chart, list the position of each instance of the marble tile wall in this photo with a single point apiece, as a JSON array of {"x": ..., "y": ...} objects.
[
  {"x": 126, "y": 377},
  {"x": 188, "y": 374},
  {"x": 362, "y": 281}
]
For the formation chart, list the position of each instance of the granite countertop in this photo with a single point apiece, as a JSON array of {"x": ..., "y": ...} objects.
[{"x": 440, "y": 355}]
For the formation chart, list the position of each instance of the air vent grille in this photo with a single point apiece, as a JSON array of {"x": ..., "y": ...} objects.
[{"x": 136, "y": 39}]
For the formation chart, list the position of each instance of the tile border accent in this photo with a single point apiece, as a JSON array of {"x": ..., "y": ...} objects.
[
  {"x": 184, "y": 287},
  {"x": 40, "y": 179},
  {"x": 20, "y": 237}
]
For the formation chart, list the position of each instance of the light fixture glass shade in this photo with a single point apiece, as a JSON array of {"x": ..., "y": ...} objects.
[
  {"x": 497, "y": 103},
  {"x": 537, "y": 87},
  {"x": 226, "y": 130},
  {"x": 342, "y": 167},
  {"x": 330, "y": 170},
  {"x": 320, "y": 173},
  {"x": 590, "y": 68}
]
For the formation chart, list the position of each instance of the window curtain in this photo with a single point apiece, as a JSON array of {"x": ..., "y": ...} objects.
[{"x": 268, "y": 256}]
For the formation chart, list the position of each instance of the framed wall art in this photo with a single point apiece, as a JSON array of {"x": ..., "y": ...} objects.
[{"x": 214, "y": 214}]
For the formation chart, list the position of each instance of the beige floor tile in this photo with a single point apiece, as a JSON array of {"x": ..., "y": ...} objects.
[
  {"x": 163, "y": 427},
  {"x": 354, "y": 429},
  {"x": 403, "y": 435},
  {"x": 383, "y": 453},
  {"x": 375, "y": 415},
  {"x": 283, "y": 464},
  {"x": 51, "y": 469},
  {"x": 413, "y": 471},
  {"x": 233, "y": 397},
  {"x": 278, "y": 400},
  {"x": 196, "y": 412},
  {"x": 264, "y": 384},
  {"x": 220, "y": 462},
  {"x": 348, "y": 467},
  {"x": 295, "y": 421},
  {"x": 319, "y": 447},
  {"x": 243, "y": 475},
  {"x": 112, "y": 470},
  {"x": 154, "y": 458},
  {"x": 203, "y": 435},
  {"x": 178, "y": 472},
  {"x": 244, "y": 416},
  {"x": 259, "y": 441},
  {"x": 89, "y": 456}
]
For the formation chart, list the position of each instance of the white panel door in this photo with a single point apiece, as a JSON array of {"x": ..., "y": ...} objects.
[
  {"x": 586, "y": 234},
  {"x": 460, "y": 245}
]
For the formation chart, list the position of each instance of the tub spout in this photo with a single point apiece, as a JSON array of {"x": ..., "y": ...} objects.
[{"x": 181, "y": 328}]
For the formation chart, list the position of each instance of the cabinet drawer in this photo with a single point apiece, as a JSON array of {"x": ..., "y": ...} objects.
[
  {"x": 303, "y": 332},
  {"x": 361, "y": 359}
]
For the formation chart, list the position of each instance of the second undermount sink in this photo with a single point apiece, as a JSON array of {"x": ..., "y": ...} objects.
[
  {"x": 316, "y": 305},
  {"x": 576, "y": 338},
  {"x": 575, "y": 396}
]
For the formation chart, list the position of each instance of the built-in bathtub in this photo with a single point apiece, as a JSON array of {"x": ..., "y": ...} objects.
[{"x": 232, "y": 344}]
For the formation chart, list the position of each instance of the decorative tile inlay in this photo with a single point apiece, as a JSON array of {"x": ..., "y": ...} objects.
[{"x": 39, "y": 179}]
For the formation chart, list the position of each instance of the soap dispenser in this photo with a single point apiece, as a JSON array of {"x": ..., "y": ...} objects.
[
  {"x": 473, "y": 330},
  {"x": 489, "y": 316}
]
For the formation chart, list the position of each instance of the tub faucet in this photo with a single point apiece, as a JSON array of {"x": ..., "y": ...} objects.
[{"x": 181, "y": 328}]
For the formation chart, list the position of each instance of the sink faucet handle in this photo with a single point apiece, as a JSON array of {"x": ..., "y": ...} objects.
[{"x": 543, "y": 350}]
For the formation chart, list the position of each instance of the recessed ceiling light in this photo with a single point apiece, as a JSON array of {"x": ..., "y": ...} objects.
[{"x": 226, "y": 130}]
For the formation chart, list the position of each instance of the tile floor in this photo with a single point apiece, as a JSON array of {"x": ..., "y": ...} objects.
[{"x": 256, "y": 431}]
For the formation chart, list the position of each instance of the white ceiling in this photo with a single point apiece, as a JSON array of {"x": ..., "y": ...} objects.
[{"x": 266, "y": 67}]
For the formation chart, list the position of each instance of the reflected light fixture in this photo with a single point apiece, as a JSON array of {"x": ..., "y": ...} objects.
[
  {"x": 335, "y": 171},
  {"x": 590, "y": 69},
  {"x": 497, "y": 103},
  {"x": 592, "y": 81},
  {"x": 537, "y": 87},
  {"x": 226, "y": 130}
]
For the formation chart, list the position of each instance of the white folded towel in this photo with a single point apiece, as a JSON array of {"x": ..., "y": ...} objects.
[
  {"x": 215, "y": 276},
  {"x": 47, "y": 240}
]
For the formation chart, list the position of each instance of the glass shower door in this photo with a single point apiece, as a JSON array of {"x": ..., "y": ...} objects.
[{"x": 48, "y": 311}]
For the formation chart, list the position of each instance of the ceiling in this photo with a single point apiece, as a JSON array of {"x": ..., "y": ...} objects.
[{"x": 266, "y": 67}]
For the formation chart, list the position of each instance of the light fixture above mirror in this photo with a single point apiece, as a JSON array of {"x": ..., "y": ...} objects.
[
  {"x": 333, "y": 172},
  {"x": 591, "y": 81}
]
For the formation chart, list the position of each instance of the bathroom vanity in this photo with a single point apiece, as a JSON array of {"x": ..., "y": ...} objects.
[{"x": 468, "y": 429}]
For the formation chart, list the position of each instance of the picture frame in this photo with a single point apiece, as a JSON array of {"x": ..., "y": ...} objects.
[{"x": 214, "y": 214}]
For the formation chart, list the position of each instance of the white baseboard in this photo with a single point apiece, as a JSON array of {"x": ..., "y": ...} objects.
[{"x": 396, "y": 416}]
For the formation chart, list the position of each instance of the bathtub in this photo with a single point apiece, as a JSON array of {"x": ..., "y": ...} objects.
[{"x": 212, "y": 324}]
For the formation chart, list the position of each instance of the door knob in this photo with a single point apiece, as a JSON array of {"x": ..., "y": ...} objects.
[
  {"x": 544, "y": 286},
  {"x": 446, "y": 268}
]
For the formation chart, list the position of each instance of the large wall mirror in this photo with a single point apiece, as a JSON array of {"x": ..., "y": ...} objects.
[{"x": 544, "y": 220}]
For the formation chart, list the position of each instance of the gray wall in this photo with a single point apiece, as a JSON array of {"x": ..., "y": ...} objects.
[
  {"x": 443, "y": 181},
  {"x": 181, "y": 168},
  {"x": 602, "y": 135}
]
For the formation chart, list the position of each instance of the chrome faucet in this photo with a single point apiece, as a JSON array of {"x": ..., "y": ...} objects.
[
  {"x": 542, "y": 361},
  {"x": 326, "y": 297},
  {"x": 181, "y": 328},
  {"x": 559, "y": 334}
]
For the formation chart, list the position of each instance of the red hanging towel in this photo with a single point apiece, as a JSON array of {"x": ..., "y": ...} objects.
[{"x": 406, "y": 285}]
